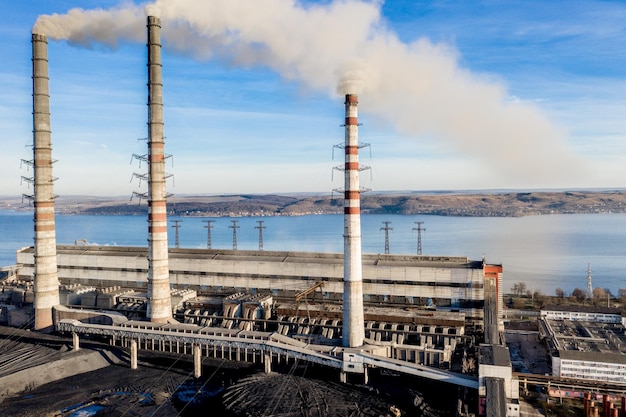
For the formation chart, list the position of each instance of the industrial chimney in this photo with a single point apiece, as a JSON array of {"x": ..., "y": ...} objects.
[
  {"x": 45, "y": 253},
  {"x": 159, "y": 300},
  {"x": 353, "y": 325}
]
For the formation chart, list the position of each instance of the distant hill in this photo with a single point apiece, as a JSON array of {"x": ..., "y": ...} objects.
[{"x": 483, "y": 204}]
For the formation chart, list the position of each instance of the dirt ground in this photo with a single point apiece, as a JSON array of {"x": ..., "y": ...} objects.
[
  {"x": 166, "y": 388},
  {"x": 528, "y": 355},
  {"x": 116, "y": 390},
  {"x": 142, "y": 392},
  {"x": 163, "y": 386}
]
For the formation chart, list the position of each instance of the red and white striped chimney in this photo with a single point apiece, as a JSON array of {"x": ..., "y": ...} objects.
[
  {"x": 353, "y": 331},
  {"x": 159, "y": 299},
  {"x": 45, "y": 252}
]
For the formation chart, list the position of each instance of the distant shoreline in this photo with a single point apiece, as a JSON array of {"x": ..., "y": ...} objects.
[{"x": 465, "y": 204}]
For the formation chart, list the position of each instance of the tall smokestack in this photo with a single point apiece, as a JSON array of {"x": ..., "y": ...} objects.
[
  {"x": 159, "y": 301},
  {"x": 46, "y": 277},
  {"x": 353, "y": 326}
]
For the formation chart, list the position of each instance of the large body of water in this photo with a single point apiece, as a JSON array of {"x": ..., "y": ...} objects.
[{"x": 545, "y": 252}]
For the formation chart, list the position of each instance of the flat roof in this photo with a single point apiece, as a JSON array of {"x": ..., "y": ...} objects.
[
  {"x": 592, "y": 356},
  {"x": 495, "y": 355},
  {"x": 273, "y": 256},
  {"x": 583, "y": 309},
  {"x": 496, "y": 399},
  {"x": 591, "y": 341}
]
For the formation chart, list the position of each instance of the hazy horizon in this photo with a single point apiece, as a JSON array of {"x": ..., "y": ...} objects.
[{"x": 365, "y": 193}]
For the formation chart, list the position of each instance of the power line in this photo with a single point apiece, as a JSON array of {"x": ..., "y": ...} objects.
[
  {"x": 589, "y": 284},
  {"x": 419, "y": 236},
  {"x": 177, "y": 226},
  {"x": 386, "y": 229},
  {"x": 234, "y": 227},
  {"x": 208, "y": 226},
  {"x": 260, "y": 227}
]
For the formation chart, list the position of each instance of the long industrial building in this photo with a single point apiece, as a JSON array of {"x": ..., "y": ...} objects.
[{"x": 444, "y": 283}]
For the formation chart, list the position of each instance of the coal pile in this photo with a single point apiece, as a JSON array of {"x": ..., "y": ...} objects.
[{"x": 294, "y": 396}]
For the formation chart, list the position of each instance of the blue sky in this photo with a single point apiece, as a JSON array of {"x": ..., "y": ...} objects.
[{"x": 452, "y": 95}]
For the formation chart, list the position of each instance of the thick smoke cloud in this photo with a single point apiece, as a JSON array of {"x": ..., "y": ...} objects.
[
  {"x": 344, "y": 47},
  {"x": 85, "y": 27}
]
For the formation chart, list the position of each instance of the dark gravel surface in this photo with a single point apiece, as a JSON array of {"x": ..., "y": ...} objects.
[{"x": 163, "y": 386}]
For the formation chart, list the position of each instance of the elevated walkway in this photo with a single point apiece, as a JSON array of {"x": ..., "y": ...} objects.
[
  {"x": 8, "y": 273},
  {"x": 198, "y": 339},
  {"x": 174, "y": 335},
  {"x": 419, "y": 370}
]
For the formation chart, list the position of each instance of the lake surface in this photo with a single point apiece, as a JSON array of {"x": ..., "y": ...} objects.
[{"x": 545, "y": 252}]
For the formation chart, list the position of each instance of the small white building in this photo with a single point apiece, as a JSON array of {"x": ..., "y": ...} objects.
[
  {"x": 586, "y": 343},
  {"x": 583, "y": 313},
  {"x": 594, "y": 366}
]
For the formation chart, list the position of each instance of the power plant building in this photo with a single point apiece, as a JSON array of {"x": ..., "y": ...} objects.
[
  {"x": 450, "y": 283},
  {"x": 394, "y": 308},
  {"x": 156, "y": 282}
]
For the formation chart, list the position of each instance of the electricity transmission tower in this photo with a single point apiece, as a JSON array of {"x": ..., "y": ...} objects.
[
  {"x": 419, "y": 236},
  {"x": 177, "y": 226},
  {"x": 589, "y": 285},
  {"x": 234, "y": 227},
  {"x": 260, "y": 227},
  {"x": 208, "y": 226},
  {"x": 386, "y": 229}
]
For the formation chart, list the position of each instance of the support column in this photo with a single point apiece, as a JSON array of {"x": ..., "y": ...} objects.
[
  {"x": 133, "y": 354},
  {"x": 267, "y": 361},
  {"x": 75, "y": 341},
  {"x": 197, "y": 361}
]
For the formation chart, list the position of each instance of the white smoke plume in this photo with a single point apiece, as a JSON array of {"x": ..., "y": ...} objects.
[
  {"x": 344, "y": 47},
  {"x": 85, "y": 27}
]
